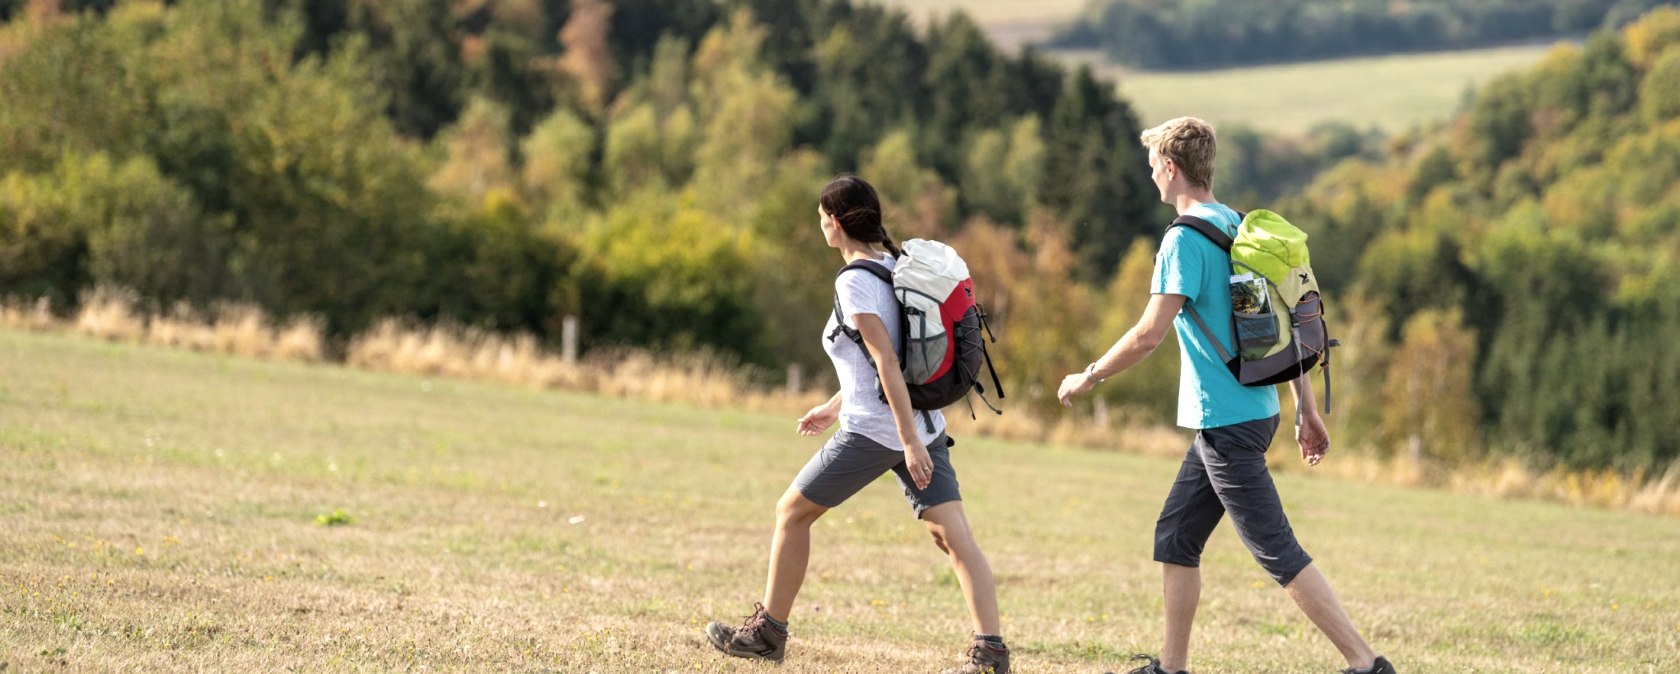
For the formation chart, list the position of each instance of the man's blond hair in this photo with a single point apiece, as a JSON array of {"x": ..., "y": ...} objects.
[{"x": 1189, "y": 143}]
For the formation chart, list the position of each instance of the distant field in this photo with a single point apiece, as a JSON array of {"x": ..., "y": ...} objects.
[
  {"x": 172, "y": 511},
  {"x": 994, "y": 11},
  {"x": 1390, "y": 93},
  {"x": 1009, "y": 23}
]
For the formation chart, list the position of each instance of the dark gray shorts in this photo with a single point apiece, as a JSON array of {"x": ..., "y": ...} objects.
[
  {"x": 850, "y": 461},
  {"x": 1225, "y": 472}
]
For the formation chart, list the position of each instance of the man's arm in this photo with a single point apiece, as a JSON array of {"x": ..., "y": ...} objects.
[
  {"x": 1310, "y": 433},
  {"x": 1133, "y": 347}
]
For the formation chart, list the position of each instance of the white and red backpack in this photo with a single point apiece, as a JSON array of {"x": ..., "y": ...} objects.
[{"x": 940, "y": 347}]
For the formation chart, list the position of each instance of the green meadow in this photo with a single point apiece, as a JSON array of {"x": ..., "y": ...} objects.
[
  {"x": 174, "y": 511},
  {"x": 1390, "y": 93}
]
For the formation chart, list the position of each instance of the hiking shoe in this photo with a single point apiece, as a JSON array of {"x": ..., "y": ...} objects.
[
  {"x": 1380, "y": 666},
  {"x": 1154, "y": 667},
  {"x": 984, "y": 657},
  {"x": 756, "y": 639}
]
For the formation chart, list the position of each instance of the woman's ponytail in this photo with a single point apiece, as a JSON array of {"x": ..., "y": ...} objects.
[{"x": 886, "y": 240}]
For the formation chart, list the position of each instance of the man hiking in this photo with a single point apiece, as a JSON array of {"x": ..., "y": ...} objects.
[{"x": 1225, "y": 468}]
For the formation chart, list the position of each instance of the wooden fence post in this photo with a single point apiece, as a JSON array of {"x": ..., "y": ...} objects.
[
  {"x": 568, "y": 340},
  {"x": 795, "y": 379}
]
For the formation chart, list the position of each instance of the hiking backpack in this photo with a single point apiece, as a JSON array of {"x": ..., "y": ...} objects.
[
  {"x": 940, "y": 345},
  {"x": 1277, "y": 314}
]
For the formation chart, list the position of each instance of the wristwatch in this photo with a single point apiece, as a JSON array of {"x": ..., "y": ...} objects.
[{"x": 1091, "y": 373}]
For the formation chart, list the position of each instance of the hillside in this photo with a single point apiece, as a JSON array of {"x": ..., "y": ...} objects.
[{"x": 1519, "y": 264}]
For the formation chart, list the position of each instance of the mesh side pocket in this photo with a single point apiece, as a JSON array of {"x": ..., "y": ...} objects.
[
  {"x": 923, "y": 356},
  {"x": 1252, "y": 317},
  {"x": 1256, "y": 333}
]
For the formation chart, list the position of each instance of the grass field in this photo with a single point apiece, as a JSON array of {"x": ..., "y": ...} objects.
[
  {"x": 166, "y": 510},
  {"x": 1390, "y": 93}
]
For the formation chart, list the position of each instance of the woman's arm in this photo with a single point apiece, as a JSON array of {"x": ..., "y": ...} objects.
[
  {"x": 820, "y": 417},
  {"x": 880, "y": 346}
]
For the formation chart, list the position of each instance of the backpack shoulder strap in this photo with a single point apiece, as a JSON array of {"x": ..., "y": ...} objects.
[
  {"x": 1206, "y": 229},
  {"x": 875, "y": 269},
  {"x": 1223, "y": 240}
]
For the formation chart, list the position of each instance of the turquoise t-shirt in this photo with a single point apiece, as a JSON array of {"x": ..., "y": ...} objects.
[{"x": 1209, "y": 396}]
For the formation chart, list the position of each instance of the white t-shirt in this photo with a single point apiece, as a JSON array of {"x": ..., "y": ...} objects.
[{"x": 861, "y": 408}]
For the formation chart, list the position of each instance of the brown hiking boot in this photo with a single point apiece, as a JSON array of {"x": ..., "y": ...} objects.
[
  {"x": 755, "y": 639},
  {"x": 984, "y": 657}
]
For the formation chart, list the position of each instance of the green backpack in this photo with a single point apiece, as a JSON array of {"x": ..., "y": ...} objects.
[{"x": 1277, "y": 315}]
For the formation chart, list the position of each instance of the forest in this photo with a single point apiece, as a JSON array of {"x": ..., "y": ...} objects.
[
  {"x": 651, "y": 166},
  {"x": 1200, "y": 34},
  {"x": 1505, "y": 280}
]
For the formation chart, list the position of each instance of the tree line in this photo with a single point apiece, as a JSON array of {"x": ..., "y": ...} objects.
[
  {"x": 651, "y": 166},
  {"x": 1200, "y": 34},
  {"x": 1515, "y": 269}
]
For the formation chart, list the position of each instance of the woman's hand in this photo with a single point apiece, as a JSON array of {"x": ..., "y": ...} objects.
[
  {"x": 920, "y": 465},
  {"x": 818, "y": 419}
]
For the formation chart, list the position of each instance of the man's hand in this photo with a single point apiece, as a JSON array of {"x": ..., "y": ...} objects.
[
  {"x": 1313, "y": 437},
  {"x": 818, "y": 419},
  {"x": 1072, "y": 385}
]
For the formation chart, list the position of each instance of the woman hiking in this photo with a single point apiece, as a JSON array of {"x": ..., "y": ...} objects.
[{"x": 879, "y": 431}]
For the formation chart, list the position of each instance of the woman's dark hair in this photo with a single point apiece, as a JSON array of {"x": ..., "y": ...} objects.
[{"x": 857, "y": 209}]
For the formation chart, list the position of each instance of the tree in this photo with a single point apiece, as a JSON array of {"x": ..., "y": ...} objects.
[
  {"x": 71, "y": 90},
  {"x": 417, "y": 56},
  {"x": 512, "y": 72},
  {"x": 916, "y": 201},
  {"x": 587, "y": 54},
  {"x": 557, "y": 161},
  {"x": 1150, "y": 387},
  {"x": 1428, "y": 402},
  {"x": 476, "y": 154},
  {"x": 1096, "y": 174},
  {"x": 1659, "y": 94}
]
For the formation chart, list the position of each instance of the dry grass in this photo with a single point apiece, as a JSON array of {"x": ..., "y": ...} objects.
[
  {"x": 162, "y": 505},
  {"x": 459, "y": 352},
  {"x": 233, "y": 329}
]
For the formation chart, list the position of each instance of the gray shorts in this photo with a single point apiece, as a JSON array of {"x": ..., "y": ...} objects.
[
  {"x": 1225, "y": 472},
  {"x": 850, "y": 461}
]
